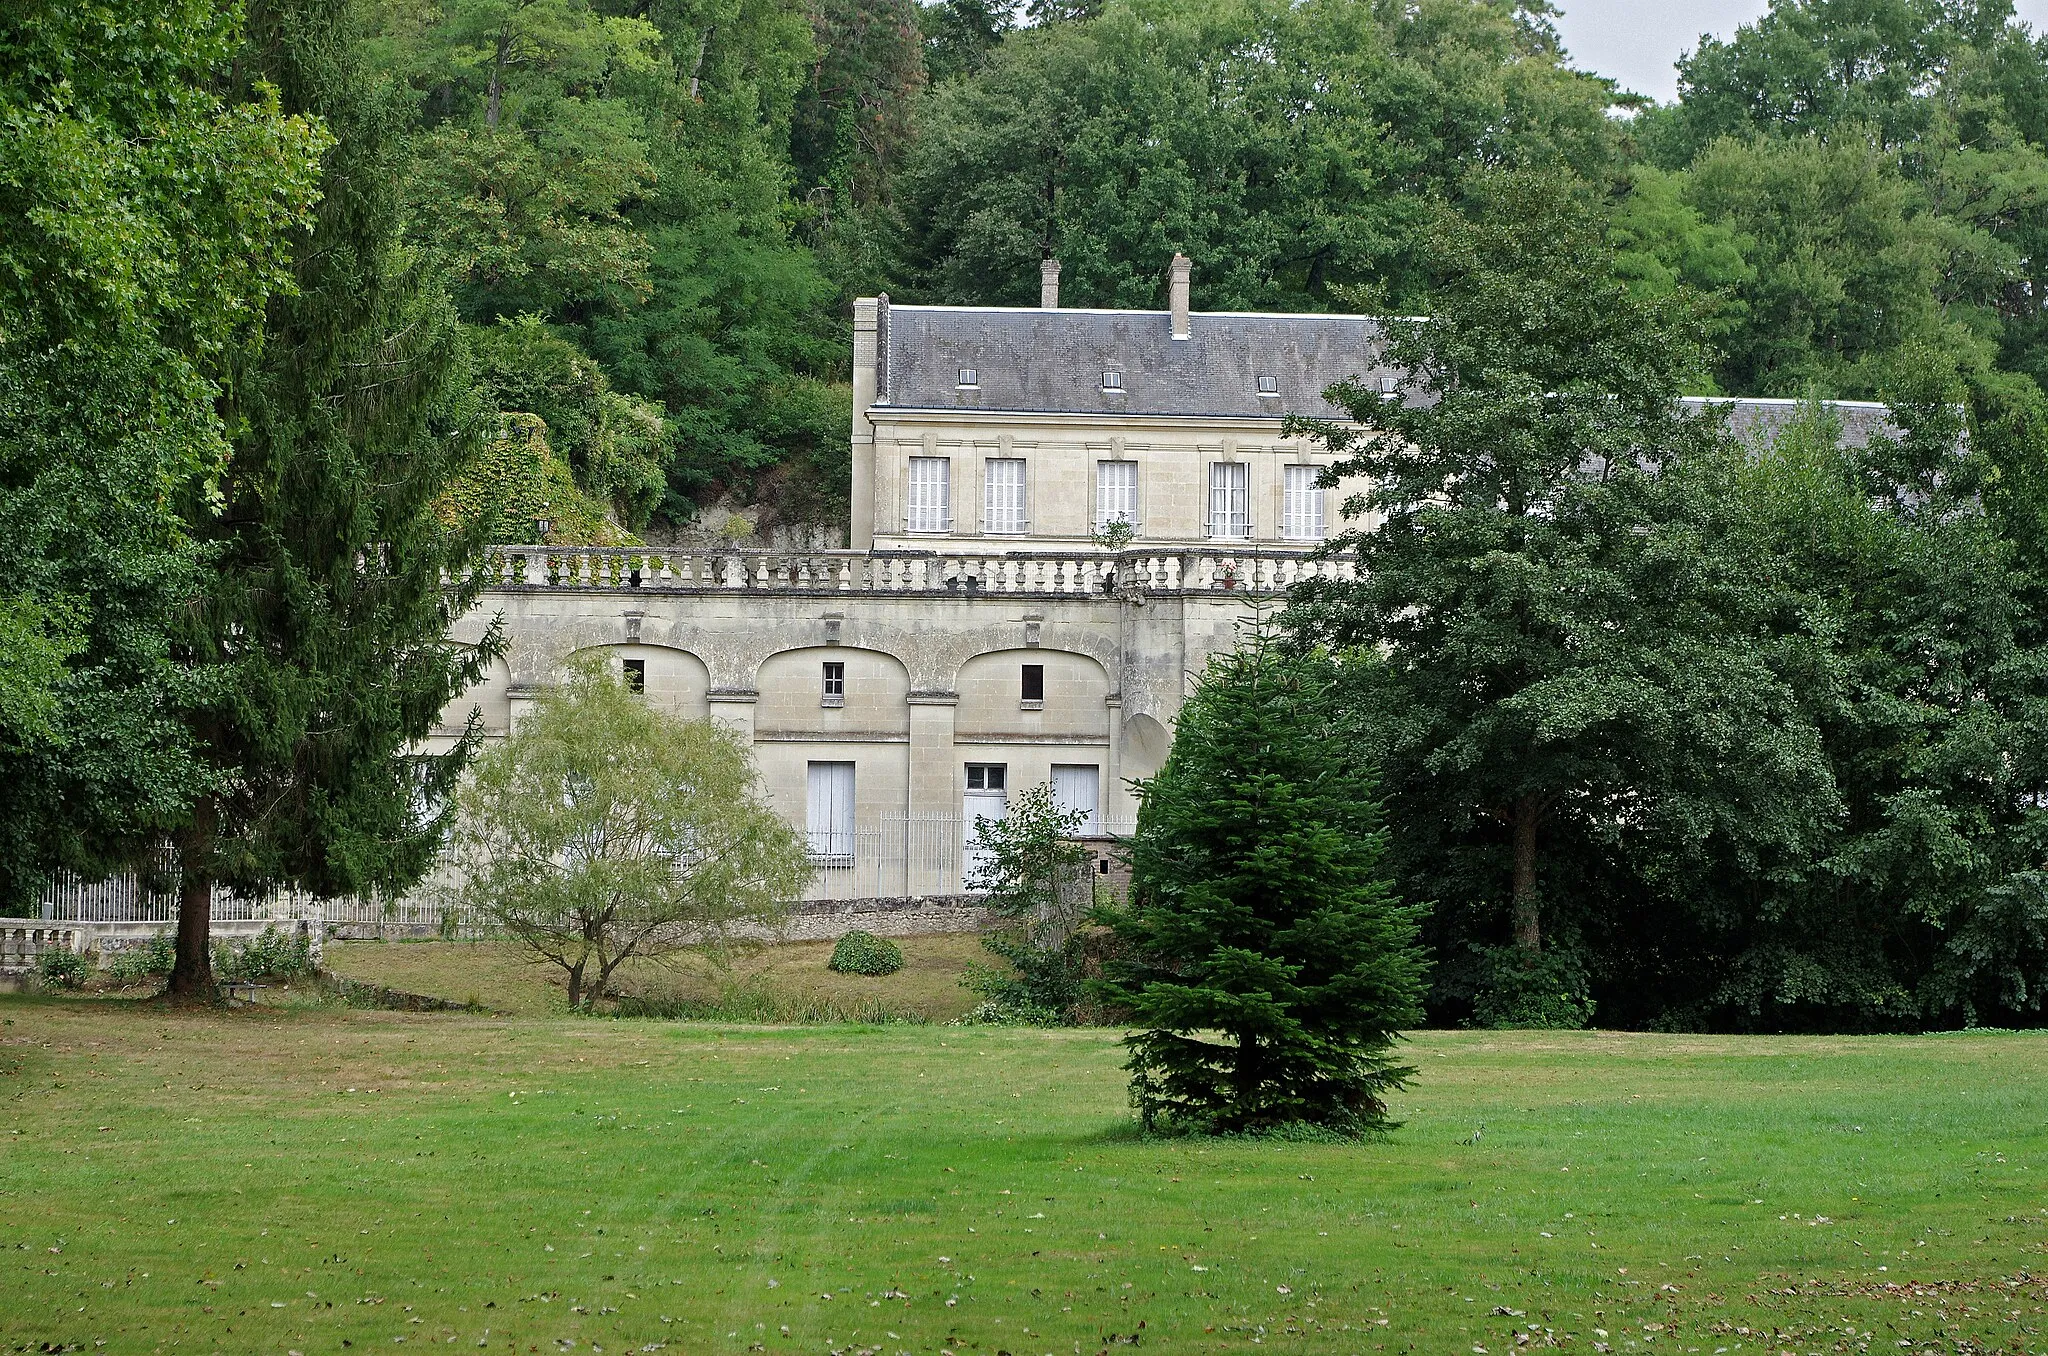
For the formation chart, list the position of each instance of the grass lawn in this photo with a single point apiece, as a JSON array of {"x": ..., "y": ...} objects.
[
  {"x": 787, "y": 981},
  {"x": 326, "y": 1180}
]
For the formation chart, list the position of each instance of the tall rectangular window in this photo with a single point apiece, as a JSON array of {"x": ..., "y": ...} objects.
[
  {"x": 1033, "y": 685},
  {"x": 931, "y": 495},
  {"x": 636, "y": 674},
  {"x": 828, "y": 813},
  {"x": 1230, "y": 500},
  {"x": 1077, "y": 786},
  {"x": 1003, "y": 496},
  {"x": 1116, "y": 493},
  {"x": 1301, "y": 517},
  {"x": 835, "y": 683}
]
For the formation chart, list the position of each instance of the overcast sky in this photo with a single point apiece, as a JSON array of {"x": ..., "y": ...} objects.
[{"x": 1637, "y": 41}]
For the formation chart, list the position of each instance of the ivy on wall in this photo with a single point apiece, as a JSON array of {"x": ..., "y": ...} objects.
[{"x": 519, "y": 483}]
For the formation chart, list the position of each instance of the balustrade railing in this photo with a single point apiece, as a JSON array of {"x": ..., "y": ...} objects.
[{"x": 918, "y": 572}]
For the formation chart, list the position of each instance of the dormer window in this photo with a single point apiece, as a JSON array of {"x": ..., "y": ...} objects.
[
  {"x": 1113, "y": 381},
  {"x": 1388, "y": 385},
  {"x": 1269, "y": 386},
  {"x": 969, "y": 379}
]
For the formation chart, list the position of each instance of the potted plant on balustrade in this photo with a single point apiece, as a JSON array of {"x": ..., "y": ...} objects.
[{"x": 1114, "y": 535}]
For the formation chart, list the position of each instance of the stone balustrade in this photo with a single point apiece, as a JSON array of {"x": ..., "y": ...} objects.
[{"x": 1254, "y": 570}]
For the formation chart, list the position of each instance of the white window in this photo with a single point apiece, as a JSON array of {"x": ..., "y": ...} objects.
[
  {"x": 1302, "y": 516},
  {"x": 1112, "y": 381},
  {"x": 1003, "y": 497},
  {"x": 828, "y": 814},
  {"x": 969, "y": 377},
  {"x": 1116, "y": 493},
  {"x": 1230, "y": 500},
  {"x": 1075, "y": 786},
  {"x": 931, "y": 494}
]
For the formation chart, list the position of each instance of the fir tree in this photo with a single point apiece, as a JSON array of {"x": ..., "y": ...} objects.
[
  {"x": 1262, "y": 915},
  {"x": 317, "y": 645}
]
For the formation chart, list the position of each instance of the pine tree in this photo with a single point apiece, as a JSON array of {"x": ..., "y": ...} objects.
[
  {"x": 317, "y": 646},
  {"x": 1262, "y": 914}
]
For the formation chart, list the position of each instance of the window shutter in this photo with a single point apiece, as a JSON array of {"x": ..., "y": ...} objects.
[
  {"x": 1116, "y": 492},
  {"x": 1304, "y": 505},
  {"x": 1076, "y": 787}
]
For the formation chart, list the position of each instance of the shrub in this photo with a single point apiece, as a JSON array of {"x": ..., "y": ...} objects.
[
  {"x": 1532, "y": 990},
  {"x": 863, "y": 953},
  {"x": 273, "y": 954},
  {"x": 62, "y": 968},
  {"x": 152, "y": 960}
]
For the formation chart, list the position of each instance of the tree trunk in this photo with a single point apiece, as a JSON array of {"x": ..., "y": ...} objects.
[
  {"x": 575, "y": 984},
  {"x": 697, "y": 71},
  {"x": 1528, "y": 918},
  {"x": 192, "y": 975},
  {"x": 498, "y": 60}
]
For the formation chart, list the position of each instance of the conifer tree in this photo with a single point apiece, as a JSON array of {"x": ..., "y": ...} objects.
[
  {"x": 1262, "y": 914},
  {"x": 317, "y": 644}
]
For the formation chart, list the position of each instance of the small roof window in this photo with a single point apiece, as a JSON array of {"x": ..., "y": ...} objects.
[
  {"x": 1112, "y": 381},
  {"x": 969, "y": 377},
  {"x": 1388, "y": 385},
  {"x": 1269, "y": 386}
]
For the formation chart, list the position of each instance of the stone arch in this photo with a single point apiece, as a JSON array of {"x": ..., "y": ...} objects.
[
  {"x": 790, "y": 691},
  {"x": 675, "y": 680},
  {"x": 1075, "y": 703},
  {"x": 1145, "y": 746}
]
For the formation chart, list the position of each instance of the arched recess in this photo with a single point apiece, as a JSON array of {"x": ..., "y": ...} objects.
[
  {"x": 675, "y": 681},
  {"x": 993, "y": 700},
  {"x": 875, "y": 691},
  {"x": 490, "y": 694},
  {"x": 1145, "y": 746}
]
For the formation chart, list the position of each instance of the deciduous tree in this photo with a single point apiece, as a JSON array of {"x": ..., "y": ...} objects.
[{"x": 603, "y": 830}]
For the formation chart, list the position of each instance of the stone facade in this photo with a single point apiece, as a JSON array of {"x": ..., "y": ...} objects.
[{"x": 980, "y": 636}]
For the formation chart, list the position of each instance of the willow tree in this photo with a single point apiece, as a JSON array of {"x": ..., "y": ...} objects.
[{"x": 316, "y": 645}]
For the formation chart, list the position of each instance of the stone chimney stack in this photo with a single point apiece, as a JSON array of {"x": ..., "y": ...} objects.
[
  {"x": 1049, "y": 284},
  {"x": 1182, "y": 267}
]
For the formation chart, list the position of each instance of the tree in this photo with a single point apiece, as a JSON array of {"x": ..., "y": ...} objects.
[
  {"x": 603, "y": 829},
  {"x": 145, "y": 216},
  {"x": 1032, "y": 874},
  {"x": 316, "y": 647},
  {"x": 1272, "y": 964},
  {"x": 1566, "y": 652},
  {"x": 1287, "y": 149}
]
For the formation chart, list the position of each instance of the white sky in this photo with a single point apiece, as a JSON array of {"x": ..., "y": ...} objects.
[{"x": 1638, "y": 41}]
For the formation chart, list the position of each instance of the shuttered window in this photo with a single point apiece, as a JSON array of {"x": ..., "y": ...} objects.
[
  {"x": 828, "y": 813},
  {"x": 1230, "y": 505},
  {"x": 1076, "y": 786},
  {"x": 1302, "y": 509},
  {"x": 1004, "y": 497},
  {"x": 1116, "y": 493},
  {"x": 931, "y": 494}
]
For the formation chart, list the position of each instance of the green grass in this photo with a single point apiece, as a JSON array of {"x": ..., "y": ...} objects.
[
  {"x": 321, "y": 1181},
  {"x": 783, "y": 982}
]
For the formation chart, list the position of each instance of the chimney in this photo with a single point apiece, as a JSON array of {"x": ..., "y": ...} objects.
[
  {"x": 1182, "y": 266},
  {"x": 1049, "y": 284}
]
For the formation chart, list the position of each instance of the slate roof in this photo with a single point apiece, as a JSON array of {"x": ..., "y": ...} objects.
[
  {"x": 1052, "y": 361},
  {"x": 1750, "y": 416},
  {"x": 1029, "y": 360}
]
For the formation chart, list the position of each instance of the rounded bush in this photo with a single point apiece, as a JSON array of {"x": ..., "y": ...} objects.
[
  {"x": 863, "y": 953},
  {"x": 61, "y": 968}
]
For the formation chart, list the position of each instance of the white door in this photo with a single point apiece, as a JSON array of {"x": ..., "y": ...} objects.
[
  {"x": 986, "y": 797},
  {"x": 1076, "y": 786}
]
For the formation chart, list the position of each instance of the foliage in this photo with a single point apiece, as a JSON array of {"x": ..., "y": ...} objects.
[
  {"x": 317, "y": 654},
  {"x": 1033, "y": 876},
  {"x": 604, "y": 829},
  {"x": 1563, "y": 655},
  {"x": 1287, "y": 149},
  {"x": 1270, "y": 962},
  {"x": 59, "y": 967},
  {"x": 516, "y": 484},
  {"x": 145, "y": 215},
  {"x": 152, "y": 960},
  {"x": 268, "y": 955},
  {"x": 863, "y": 953},
  {"x": 1540, "y": 990}
]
